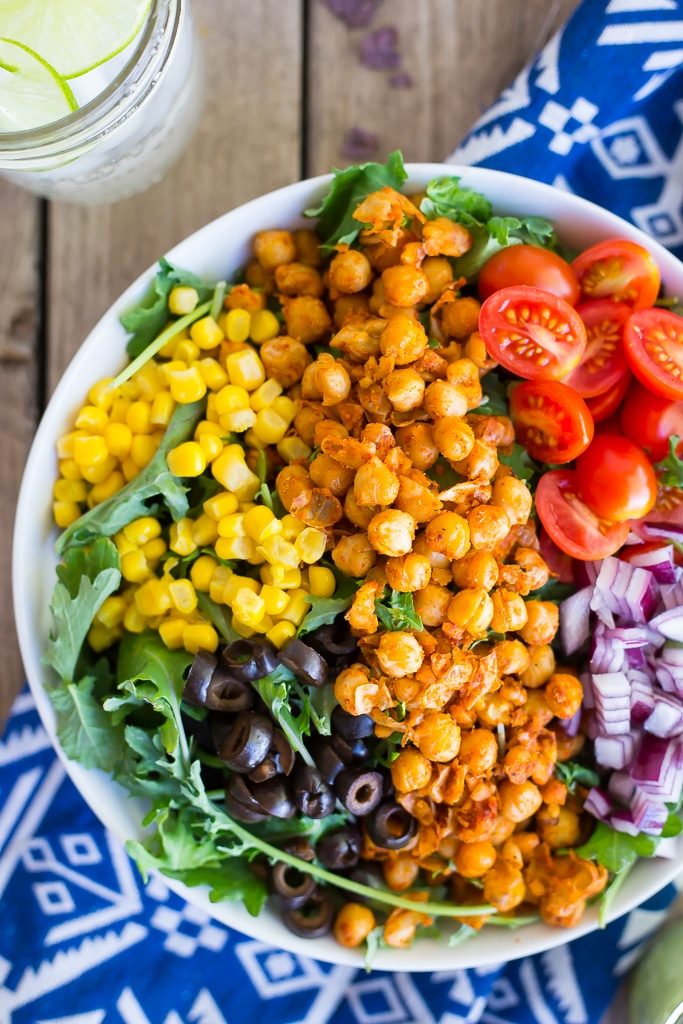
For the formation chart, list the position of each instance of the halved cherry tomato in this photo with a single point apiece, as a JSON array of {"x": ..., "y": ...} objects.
[
  {"x": 551, "y": 420},
  {"x": 653, "y": 341},
  {"x": 603, "y": 363},
  {"x": 650, "y": 420},
  {"x": 527, "y": 264},
  {"x": 560, "y": 565},
  {"x": 603, "y": 406},
  {"x": 616, "y": 479},
  {"x": 570, "y": 524},
  {"x": 619, "y": 270},
  {"x": 532, "y": 333}
]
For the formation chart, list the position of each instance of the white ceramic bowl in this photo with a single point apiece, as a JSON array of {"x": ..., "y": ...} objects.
[{"x": 217, "y": 251}]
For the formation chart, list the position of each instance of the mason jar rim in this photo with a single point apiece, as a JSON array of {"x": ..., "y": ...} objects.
[{"x": 105, "y": 111}]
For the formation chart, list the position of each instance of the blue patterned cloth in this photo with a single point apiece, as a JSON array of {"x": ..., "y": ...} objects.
[{"x": 82, "y": 940}]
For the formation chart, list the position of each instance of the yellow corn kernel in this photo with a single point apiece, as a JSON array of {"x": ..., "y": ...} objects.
[
  {"x": 274, "y": 599},
  {"x": 232, "y": 472},
  {"x": 231, "y": 398},
  {"x": 264, "y": 326},
  {"x": 200, "y": 636},
  {"x": 291, "y": 527},
  {"x": 97, "y": 474},
  {"x": 236, "y": 583},
  {"x": 92, "y": 419},
  {"x": 297, "y": 607},
  {"x": 187, "y": 459},
  {"x": 269, "y": 426},
  {"x": 211, "y": 445},
  {"x": 207, "y": 427},
  {"x": 149, "y": 380},
  {"x": 182, "y": 300},
  {"x": 241, "y": 629},
  {"x": 234, "y": 547},
  {"x": 129, "y": 390},
  {"x": 119, "y": 410},
  {"x": 220, "y": 505},
  {"x": 130, "y": 469},
  {"x": 118, "y": 438},
  {"x": 65, "y": 513},
  {"x": 238, "y": 421},
  {"x": 171, "y": 632},
  {"x": 293, "y": 448},
  {"x": 102, "y": 395},
  {"x": 232, "y": 526},
  {"x": 112, "y": 611},
  {"x": 162, "y": 409},
  {"x": 284, "y": 407},
  {"x": 321, "y": 581},
  {"x": 154, "y": 550},
  {"x": 123, "y": 545},
  {"x": 139, "y": 417},
  {"x": 181, "y": 540},
  {"x": 135, "y": 567},
  {"x": 220, "y": 579},
  {"x": 279, "y": 551},
  {"x": 175, "y": 366},
  {"x": 278, "y": 576},
  {"x": 213, "y": 373},
  {"x": 252, "y": 441},
  {"x": 133, "y": 621},
  {"x": 186, "y": 351},
  {"x": 99, "y": 637},
  {"x": 260, "y": 523},
  {"x": 65, "y": 443},
  {"x": 211, "y": 414},
  {"x": 265, "y": 395},
  {"x": 280, "y": 633},
  {"x": 70, "y": 490},
  {"x": 142, "y": 450},
  {"x": 101, "y": 492},
  {"x": 248, "y": 607},
  {"x": 89, "y": 451},
  {"x": 236, "y": 323},
  {"x": 201, "y": 573},
  {"x": 310, "y": 545},
  {"x": 204, "y": 531},
  {"x": 245, "y": 369},
  {"x": 167, "y": 350},
  {"x": 152, "y": 598},
  {"x": 140, "y": 530},
  {"x": 183, "y": 596},
  {"x": 206, "y": 333},
  {"x": 187, "y": 385},
  {"x": 70, "y": 469}
]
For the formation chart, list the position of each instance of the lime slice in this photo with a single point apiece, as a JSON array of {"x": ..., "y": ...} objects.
[
  {"x": 31, "y": 92},
  {"x": 74, "y": 36}
]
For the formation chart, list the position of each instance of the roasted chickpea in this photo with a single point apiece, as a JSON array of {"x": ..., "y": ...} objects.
[
  {"x": 408, "y": 573},
  {"x": 329, "y": 429},
  {"x": 472, "y": 609},
  {"x": 273, "y": 248},
  {"x": 473, "y": 860},
  {"x": 308, "y": 247},
  {"x": 536, "y": 708},
  {"x": 436, "y": 559},
  {"x": 543, "y": 620},
  {"x": 514, "y": 497},
  {"x": 439, "y": 274},
  {"x": 375, "y": 484},
  {"x": 291, "y": 482},
  {"x": 509, "y": 611},
  {"x": 437, "y": 737},
  {"x": 460, "y": 318},
  {"x": 489, "y": 524},
  {"x": 404, "y": 285},
  {"x": 400, "y": 927},
  {"x": 405, "y": 389},
  {"x": 504, "y": 886},
  {"x": 564, "y": 694},
  {"x": 391, "y": 532},
  {"x": 308, "y": 415},
  {"x": 476, "y": 569},
  {"x": 285, "y": 359},
  {"x": 411, "y": 770},
  {"x": 478, "y": 750},
  {"x": 404, "y": 339},
  {"x": 298, "y": 279},
  {"x": 350, "y": 272},
  {"x": 399, "y": 654},
  {"x": 444, "y": 236},
  {"x": 475, "y": 349},
  {"x": 541, "y": 667},
  {"x": 353, "y": 924},
  {"x": 465, "y": 375},
  {"x": 358, "y": 694},
  {"x": 359, "y": 516},
  {"x": 255, "y": 275},
  {"x": 493, "y": 710},
  {"x": 519, "y": 763},
  {"x": 444, "y": 399},
  {"x": 511, "y": 853},
  {"x": 326, "y": 472},
  {"x": 332, "y": 380},
  {"x": 512, "y": 657},
  {"x": 453, "y": 438},
  {"x": 400, "y": 873},
  {"x": 242, "y": 297},
  {"x": 448, "y": 534},
  {"x": 526, "y": 842},
  {"x": 417, "y": 441},
  {"x": 354, "y": 555},
  {"x": 566, "y": 831},
  {"x": 519, "y": 801},
  {"x": 353, "y": 309},
  {"x": 306, "y": 318}
]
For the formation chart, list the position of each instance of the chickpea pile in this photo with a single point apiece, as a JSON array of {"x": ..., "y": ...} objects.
[{"x": 391, "y": 419}]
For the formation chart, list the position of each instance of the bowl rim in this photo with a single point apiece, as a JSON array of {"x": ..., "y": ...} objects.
[{"x": 430, "y": 955}]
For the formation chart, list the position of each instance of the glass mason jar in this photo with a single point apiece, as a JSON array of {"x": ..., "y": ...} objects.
[{"x": 123, "y": 140}]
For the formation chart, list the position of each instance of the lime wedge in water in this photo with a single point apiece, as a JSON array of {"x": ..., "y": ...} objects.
[
  {"x": 74, "y": 36},
  {"x": 31, "y": 92}
]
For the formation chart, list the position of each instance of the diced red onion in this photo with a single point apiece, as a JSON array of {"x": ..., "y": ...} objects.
[
  {"x": 614, "y": 751},
  {"x": 666, "y": 719},
  {"x": 660, "y": 563},
  {"x": 575, "y": 620},
  {"x": 636, "y": 658},
  {"x": 651, "y": 762},
  {"x": 672, "y": 655},
  {"x": 650, "y": 530},
  {"x": 669, "y": 679},
  {"x": 625, "y": 590},
  {"x": 649, "y": 814},
  {"x": 591, "y": 727},
  {"x": 588, "y": 698},
  {"x": 629, "y": 637},
  {"x": 622, "y": 821},
  {"x": 572, "y": 725},
  {"x": 620, "y": 787},
  {"x": 642, "y": 698},
  {"x": 598, "y": 804},
  {"x": 671, "y": 595},
  {"x": 669, "y": 624}
]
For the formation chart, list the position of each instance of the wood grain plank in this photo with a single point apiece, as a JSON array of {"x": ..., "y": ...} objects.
[
  {"x": 459, "y": 53},
  {"x": 248, "y": 142},
  {"x": 19, "y": 384}
]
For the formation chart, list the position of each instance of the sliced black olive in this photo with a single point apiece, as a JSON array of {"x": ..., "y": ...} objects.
[
  {"x": 359, "y": 790},
  {"x": 198, "y": 678},
  {"x": 340, "y": 849},
  {"x": 314, "y": 918},
  {"x": 240, "y": 803},
  {"x": 200, "y": 731},
  {"x": 353, "y": 752},
  {"x": 273, "y": 797},
  {"x": 334, "y": 639},
  {"x": 300, "y": 847},
  {"x": 312, "y": 796},
  {"x": 351, "y": 727},
  {"x": 391, "y": 826},
  {"x": 249, "y": 659},
  {"x": 282, "y": 753},
  {"x": 264, "y": 771},
  {"x": 292, "y": 885},
  {"x": 326, "y": 758},
  {"x": 247, "y": 742},
  {"x": 226, "y": 693},
  {"x": 306, "y": 664}
]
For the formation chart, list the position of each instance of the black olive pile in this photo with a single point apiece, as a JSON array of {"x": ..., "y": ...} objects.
[{"x": 264, "y": 777}]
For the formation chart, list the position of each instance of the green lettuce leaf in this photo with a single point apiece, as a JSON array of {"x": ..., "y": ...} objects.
[
  {"x": 396, "y": 611},
  {"x": 324, "y": 610},
  {"x": 85, "y": 731},
  {"x": 574, "y": 774},
  {"x": 519, "y": 461},
  {"x": 496, "y": 395},
  {"x": 670, "y": 469},
  {"x": 146, "y": 320},
  {"x": 446, "y": 197}
]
